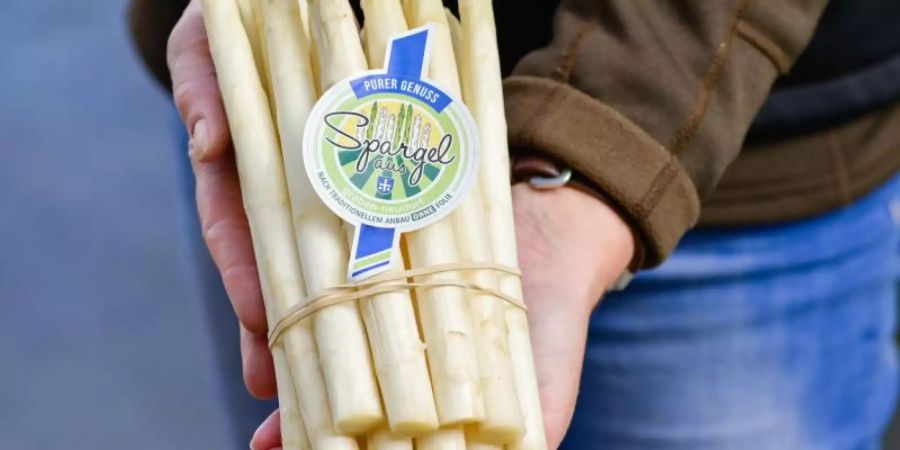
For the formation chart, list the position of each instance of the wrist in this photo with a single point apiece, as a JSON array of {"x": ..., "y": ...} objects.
[
  {"x": 574, "y": 236},
  {"x": 544, "y": 173}
]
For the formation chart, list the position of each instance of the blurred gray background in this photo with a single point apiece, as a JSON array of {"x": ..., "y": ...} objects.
[{"x": 103, "y": 343}]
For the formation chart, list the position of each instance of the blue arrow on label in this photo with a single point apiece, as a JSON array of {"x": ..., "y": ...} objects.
[{"x": 375, "y": 248}]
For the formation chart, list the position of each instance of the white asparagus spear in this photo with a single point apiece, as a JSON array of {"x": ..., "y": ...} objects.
[
  {"x": 479, "y": 436},
  {"x": 397, "y": 348},
  {"x": 337, "y": 38},
  {"x": 258, "y": 40},
  {"x": 293, "y": 431},
  {"x": 495, "y": 362},
  {"x": 399, "y": 355},
  {"x": 470, "y": 445},
  {"x": 388, "y": 440},
  {"x": 363, "y": 36},
  {"x": 383, "y": 19},
  {"x": 444, "y": 314},
  {"x": 310, "y": 387},
  {"x": 385, "y": 438},
  {"x": 251, "y": 19},
  {"x": 259, "y": 35},
  {"x": 484, "y": 95},
  {"x": 456, "y": 37},
  {"x": 503, "y": 420},
  {"x": 475, "y": 445},
  {"x": 474, "y": 441},
  {"x": 340, "y": 337},
  {"x": 443, "y": 439},
  {"x": 265, "y": 201},
  {"x": 307, "y": 33}
]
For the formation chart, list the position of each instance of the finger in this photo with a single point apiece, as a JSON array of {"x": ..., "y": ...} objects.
[
  {"x": 268, "y": 435},
  {"x": 194, "y": 86},
  {"x": 259, "y": 370},
  {"x": 227, "y": 234}
]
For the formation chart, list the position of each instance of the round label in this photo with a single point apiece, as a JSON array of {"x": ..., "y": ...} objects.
[{"x": 390, "y": 151}]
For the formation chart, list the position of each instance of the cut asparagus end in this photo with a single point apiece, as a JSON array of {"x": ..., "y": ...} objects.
[
  {"x": 388, "y": 440},
  {"x": 475, "y": 442},
  {"x": 444, "y": 439}
]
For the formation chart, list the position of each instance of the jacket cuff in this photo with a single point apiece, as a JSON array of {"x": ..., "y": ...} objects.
[
  {"x": 150, "y": 23},
  {"x": 648, "y": 184}
]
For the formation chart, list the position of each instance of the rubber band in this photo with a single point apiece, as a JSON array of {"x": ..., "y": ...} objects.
[{"x": 390, "y": 282}]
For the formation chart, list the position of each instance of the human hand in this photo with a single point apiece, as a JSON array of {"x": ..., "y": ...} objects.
[{"x": 572, "y": 247}]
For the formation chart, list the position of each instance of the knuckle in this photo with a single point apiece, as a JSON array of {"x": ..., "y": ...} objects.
[
  {"x": 241, "y": 284},
  {"x": 186, "y": 94},
  {"x": 183, "y": 94},
  {"x": 223, "y": 231}
]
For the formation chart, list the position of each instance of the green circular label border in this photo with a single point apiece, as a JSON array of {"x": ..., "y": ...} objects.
[{"x": 439, "y": 198}]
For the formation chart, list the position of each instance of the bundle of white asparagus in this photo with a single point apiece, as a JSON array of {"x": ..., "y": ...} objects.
[{"x": 431, "y": 368}]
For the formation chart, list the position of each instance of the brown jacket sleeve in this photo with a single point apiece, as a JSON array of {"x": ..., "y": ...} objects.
[{"x": 651, "y": 99}]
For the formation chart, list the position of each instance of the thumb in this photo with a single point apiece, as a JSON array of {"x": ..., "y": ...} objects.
[{"x": 194, "y": 86}]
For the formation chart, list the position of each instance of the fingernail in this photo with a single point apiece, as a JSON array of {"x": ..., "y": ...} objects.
[{"x": 199, "y": 139}]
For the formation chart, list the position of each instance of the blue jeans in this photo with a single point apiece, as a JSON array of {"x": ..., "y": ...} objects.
[{"x": 762, "y": 338}]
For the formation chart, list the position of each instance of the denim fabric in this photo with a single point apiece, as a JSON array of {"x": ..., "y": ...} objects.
[
  {"x": 245, "y": 413},
  {"x": 764, "y": 338}
]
